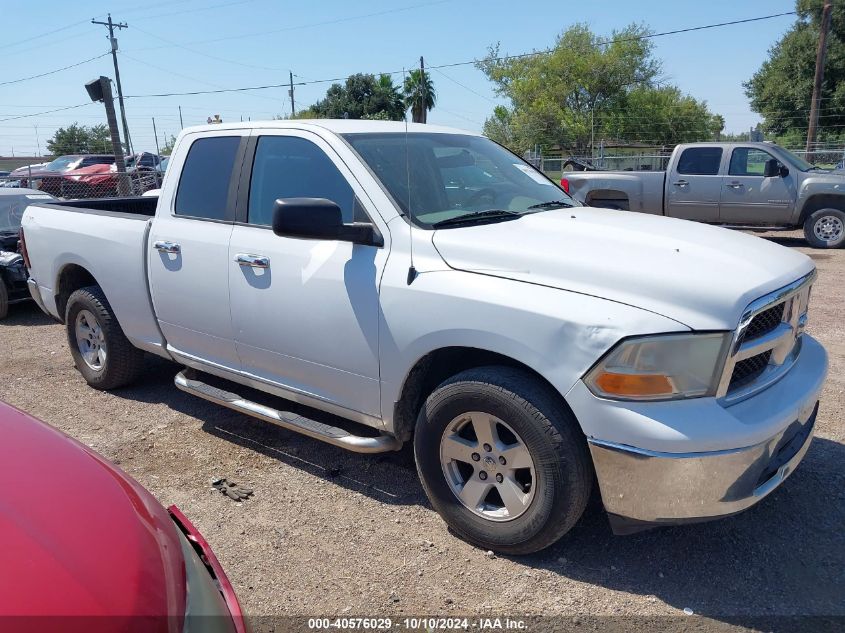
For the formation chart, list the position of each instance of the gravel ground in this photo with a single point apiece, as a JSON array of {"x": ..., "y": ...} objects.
[{"x": 334, "y": 533}]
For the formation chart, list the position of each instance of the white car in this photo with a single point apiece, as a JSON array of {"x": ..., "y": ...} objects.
[{"x": 430, "y": 285}]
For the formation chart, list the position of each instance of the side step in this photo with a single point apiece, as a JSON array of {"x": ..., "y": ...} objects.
[{"x": 290, "y": 421}]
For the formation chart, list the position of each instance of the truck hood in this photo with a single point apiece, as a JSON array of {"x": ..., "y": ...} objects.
[{"x": 698, "y": 275}]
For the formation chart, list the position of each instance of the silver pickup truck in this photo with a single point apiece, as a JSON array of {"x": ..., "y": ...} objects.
[{"x": 755, "y": 185}]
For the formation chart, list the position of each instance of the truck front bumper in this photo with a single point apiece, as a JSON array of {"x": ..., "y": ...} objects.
[{"x": 643, "y": 487}]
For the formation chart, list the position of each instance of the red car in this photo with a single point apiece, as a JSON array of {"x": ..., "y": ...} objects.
[{"x": 86, "y": 548}]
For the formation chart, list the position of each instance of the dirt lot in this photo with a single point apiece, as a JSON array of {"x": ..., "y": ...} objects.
[{"x": 333, "y": 533}]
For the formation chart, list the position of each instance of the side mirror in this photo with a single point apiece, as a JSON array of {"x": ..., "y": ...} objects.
[
  {"x": 320, "y": 219},
  {"x": 774, "y": 168}
]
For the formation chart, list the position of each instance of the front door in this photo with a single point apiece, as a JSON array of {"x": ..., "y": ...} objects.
[
  {"x": 188, "y": 254},
  {"x": 694, "y": 184},
  {"x": 748, "y": 197},
  {"x": 306, "y": 312}
]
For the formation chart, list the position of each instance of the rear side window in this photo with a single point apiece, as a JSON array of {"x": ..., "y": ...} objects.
[
  {"x": 292, "y": 167},
  {"x": 204, "y": 184},
  {"x": 702, "y": 161}
]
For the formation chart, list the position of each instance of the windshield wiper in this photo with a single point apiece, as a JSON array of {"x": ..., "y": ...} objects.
[
  {"x": 552, "y": 204},
  {"x": 467, "y": 218}
]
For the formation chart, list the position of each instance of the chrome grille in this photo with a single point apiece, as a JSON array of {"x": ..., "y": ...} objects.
[
  {"x": 767, "y": 341},
  {"x": 765, "y": 322},
  {"x": 747, "y": 370}
]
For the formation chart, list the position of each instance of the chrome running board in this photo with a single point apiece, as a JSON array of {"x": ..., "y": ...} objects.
[{"x": 290, "y": 421}]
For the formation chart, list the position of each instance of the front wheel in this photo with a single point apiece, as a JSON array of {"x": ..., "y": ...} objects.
[
  {"x": 825, "y": 228},
  {"x": 100, "y": 349},
  {"x": 502, "y": 460}
]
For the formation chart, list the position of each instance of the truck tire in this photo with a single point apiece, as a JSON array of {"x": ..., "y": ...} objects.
[
  {"x": 825, "y": 228},
  {"x": 502, "y": 460},
  {"x": 4, "y": 300},
  {"x": 100, "y": 349}
]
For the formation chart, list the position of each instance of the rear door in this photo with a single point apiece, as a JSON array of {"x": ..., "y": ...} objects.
[
  {"x": 748, "y": 197},
  {"x": 694, "y": 185},
  {"x": 189, "y": 249}
]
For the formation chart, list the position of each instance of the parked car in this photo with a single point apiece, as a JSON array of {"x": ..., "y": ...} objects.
[
  {"x": 101, "y": 180},
  {"x": 49, "y": 177},
  {"x": 757, "y": 185},
  {"x": 13, "y": 276},
  {"x": 87, "y": 548},
  {"x": 522, "y": 341}
]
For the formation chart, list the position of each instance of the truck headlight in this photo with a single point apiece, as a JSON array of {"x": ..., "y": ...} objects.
[{"x": 664, "y": 367}]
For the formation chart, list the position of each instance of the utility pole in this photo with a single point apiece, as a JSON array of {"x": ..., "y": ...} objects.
[
  {"x": 100, "y": 90},
  {"x": 181, "y": 125},
  {"x": 821, "y": 53},
  {"x": 112, "y": 26},
  {"x": 290, "y": 92},
  {"x": 155, "y": 134},
  {"x": 424, "y": 112}
]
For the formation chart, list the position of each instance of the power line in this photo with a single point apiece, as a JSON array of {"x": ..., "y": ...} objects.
[
  {"x": 463, "y": 63},
  {"x": 40, "y": 35},
  {"x": 25, "y": 116},
  {"x": 53, "y": 72}
]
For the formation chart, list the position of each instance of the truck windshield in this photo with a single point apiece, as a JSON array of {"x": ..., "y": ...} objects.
[
  {"x": 796, "y": 160},
  {"x": 437, "y": 179}
]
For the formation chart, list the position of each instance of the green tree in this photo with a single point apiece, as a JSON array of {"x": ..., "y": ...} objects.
[
  {"x": 781, "y": 90},
  {"x": 420, "y": 95},
  {"x": 660, "y": 116},
  {"x": 499, "y": 127},
  {"x": 361, "y": 96},
  {"x": 558, "y": 96},
  {"x": 167, "y": 147},
  {"x": 79, "y": 139}
]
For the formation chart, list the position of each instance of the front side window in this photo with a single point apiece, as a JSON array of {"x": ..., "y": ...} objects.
[
  {"x": 700, "y": 161},
  {"x": 748, "y": 161},
  {"x": 204, "y": 184},
  {"x": 293, "y": 167},
  {"x": 440, "y": 178}
]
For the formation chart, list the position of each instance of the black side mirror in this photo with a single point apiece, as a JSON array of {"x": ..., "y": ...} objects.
[
  {"x": 320, "y": 219},
  {"x": 774, "y": 168}
]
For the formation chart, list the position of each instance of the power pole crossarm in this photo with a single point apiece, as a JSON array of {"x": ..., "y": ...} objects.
[
  {"x": 821, "y": 53},
  {"x": 113, "y": 42}
]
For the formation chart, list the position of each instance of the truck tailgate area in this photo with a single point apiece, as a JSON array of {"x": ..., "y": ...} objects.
[{"x": 66, "y": 241}]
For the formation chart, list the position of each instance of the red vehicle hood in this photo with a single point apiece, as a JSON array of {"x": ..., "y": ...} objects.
[
  {"x": 93, "y": 174},
  {"x": 80, "y": 537}
]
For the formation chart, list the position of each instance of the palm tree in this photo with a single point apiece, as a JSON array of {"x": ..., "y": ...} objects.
[{"x": 419, "y": 94}]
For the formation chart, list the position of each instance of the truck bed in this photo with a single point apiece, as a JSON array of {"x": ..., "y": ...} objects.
[
  {"x": 628, "y": 190},
  {"x": 108, "y": 239}
]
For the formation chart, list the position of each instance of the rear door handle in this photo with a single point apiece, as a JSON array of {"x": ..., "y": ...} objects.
[
  {"x": 253, "y": 261},
  {"x": 167, "y": 247},
  {"x": 734, "y": 185},
  {"x": 681, "y": 183}
]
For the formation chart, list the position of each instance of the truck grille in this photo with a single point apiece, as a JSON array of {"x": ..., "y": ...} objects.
[
  {"x": 767, "y": 341},
  {"x": 748, "y": 370},
  {"x": 765, "y": 322}
]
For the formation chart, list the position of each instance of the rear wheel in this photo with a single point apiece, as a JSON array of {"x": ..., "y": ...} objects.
[
  {"x": 502, "y": 460},
  {"x": 100, "y": 349},
  {"x": 825, "y": 228}
]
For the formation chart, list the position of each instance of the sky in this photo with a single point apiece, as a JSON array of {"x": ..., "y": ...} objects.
[{"x": 190, "y": 45}]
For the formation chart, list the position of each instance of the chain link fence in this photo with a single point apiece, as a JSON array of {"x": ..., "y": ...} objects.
[{"x": 96, "y": 181}]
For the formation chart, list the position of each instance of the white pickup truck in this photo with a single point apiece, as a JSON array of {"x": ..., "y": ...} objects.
[
  {"x": 753, "y": 185},
  {"x": 424, "y": 284}
]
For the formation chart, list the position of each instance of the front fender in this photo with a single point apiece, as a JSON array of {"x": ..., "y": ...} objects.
[{"x": 558, "y": 334}]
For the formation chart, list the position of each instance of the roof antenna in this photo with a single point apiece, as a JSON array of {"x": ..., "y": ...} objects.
[{"x": 412, "y": 271}]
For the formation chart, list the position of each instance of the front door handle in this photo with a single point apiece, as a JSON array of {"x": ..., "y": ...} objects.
[
  {"x": 167, "y": 247},
  {"x": 681, "y": 183},
  {"x": 734, "y": 185},
  {"x": 253, "y": 261}
]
